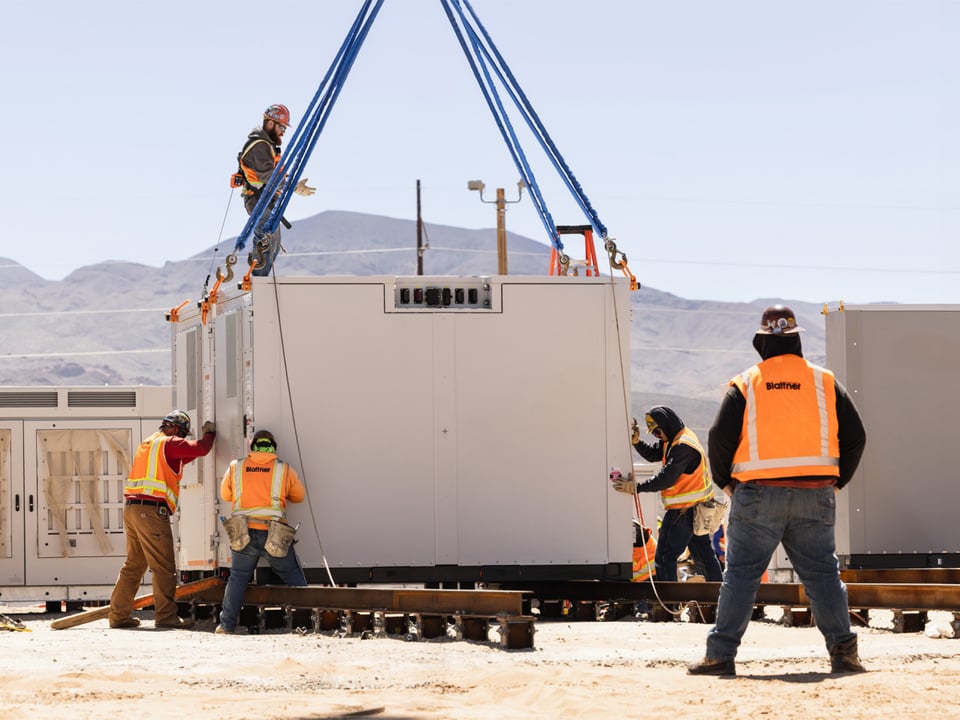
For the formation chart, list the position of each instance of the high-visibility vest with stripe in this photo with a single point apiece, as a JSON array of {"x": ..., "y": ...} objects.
[
  {"x": 254, "y": 503},
  {"x": 151, "y": 474},
  {"x": 253, "y": 183},
  {"x": 643, "y": 560},
  {"x": 690, "y": 488},
  {"x": 790, "y": 426}
]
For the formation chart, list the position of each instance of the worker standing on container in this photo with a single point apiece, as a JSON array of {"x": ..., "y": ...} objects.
[
  {"x": 683, "y": 482},
  {"x": 786, "y": 439},
  {"x": 258, "y": 160},
  {"x": 259, "y": 487},
  {"x": 151, "y": 496}
]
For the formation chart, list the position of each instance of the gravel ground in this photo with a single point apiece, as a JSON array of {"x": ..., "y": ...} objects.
[{"x": 624, "y": 668}]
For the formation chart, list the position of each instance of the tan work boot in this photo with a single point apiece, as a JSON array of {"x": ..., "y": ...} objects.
[
  {"x": 178, "y": 624},
  {"x": 130, "y": 622},
  {"x": 713, "y": 666},
  {"x": 845, "y": 659}
]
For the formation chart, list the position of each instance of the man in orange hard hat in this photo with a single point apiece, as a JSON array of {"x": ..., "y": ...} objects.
[{"x": 258, "y": 159}]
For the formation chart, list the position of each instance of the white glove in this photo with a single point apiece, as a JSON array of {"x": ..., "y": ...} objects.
[
  {"x": 209, "y": 427},
  {"x": 625, "y": 486},
  {"x": 303, "y": 189}
]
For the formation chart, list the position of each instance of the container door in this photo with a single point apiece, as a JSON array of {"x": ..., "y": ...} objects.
[
  {"x": 74, "y": 476},
  {"x": 195, "y": 520},
  {"x": 13, "y": 504}
]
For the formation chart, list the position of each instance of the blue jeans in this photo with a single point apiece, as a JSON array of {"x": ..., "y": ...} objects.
[
  {"x": 243, "y": 565},
  {"x": 761, "y": 517},
  {"x": 676, "y": 535}
]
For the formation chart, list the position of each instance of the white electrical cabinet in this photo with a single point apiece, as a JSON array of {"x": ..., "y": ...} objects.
[
  {"x": 65, "y": 455},
  {"x": 899, "y": 364},
  {"x": 448, "y": 429}
]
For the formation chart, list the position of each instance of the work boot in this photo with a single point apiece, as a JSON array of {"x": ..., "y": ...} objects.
[
  {"x": 177, "y": 624},
  {"x": 130, "y": 622},
  {"x": 713, "y": 666},
  {"x": 845, "y": 659},
  {"x": 221, "y": 630}
]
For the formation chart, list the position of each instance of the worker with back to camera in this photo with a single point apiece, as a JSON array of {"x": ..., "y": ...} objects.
[
  {"x": 259, "y": 487},
  {"x": 151, "y": 495},
  {"x": 258, "y": 160},
  {"x": 683, "y": 482},
  {"x": 786, "y": 439}
]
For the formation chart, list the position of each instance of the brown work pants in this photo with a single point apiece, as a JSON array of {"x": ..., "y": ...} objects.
[{"x": 149, "y": 545}]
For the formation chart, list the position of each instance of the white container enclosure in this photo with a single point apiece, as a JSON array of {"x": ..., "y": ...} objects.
[
  {"x": 448, "y": 429},
  {"x": 65, "y": 455}
]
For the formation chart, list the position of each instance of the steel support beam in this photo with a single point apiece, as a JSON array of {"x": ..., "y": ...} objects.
[
  {"x": 439, "y": 602},
  {"x": 903, "y": 596}
]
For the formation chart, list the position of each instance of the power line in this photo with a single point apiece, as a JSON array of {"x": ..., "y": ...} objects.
[
  {"x": 29, "y": 356},
  {"x": 839, "y": 268},
  {"x": 46, "y": 313}
]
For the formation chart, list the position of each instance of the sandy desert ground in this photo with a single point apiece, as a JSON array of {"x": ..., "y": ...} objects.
[{"x": 577, "y": 669}]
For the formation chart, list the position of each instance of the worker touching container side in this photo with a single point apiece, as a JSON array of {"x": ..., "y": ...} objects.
[
  {"x": 151, "y": 495},
  {"x": 683, "y": 483}
]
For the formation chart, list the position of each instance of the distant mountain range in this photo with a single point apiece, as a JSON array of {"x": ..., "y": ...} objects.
[{"x": 105, "y": 323}]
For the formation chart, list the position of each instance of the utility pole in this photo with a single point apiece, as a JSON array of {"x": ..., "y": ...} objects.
[
  {"x": 501, "y": 202},
  {"x": 501, "y": 232},
  {"x": 419, "y": 234}
]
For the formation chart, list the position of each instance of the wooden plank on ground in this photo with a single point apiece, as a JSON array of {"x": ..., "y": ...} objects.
[{"x": 183, "y": 592}]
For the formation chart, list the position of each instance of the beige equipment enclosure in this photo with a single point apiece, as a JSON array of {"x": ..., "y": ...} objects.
[
  {"x": 64, "y": 458},
  {"x": 449, "y": 429},
  {"x": 899, "y": 363}
]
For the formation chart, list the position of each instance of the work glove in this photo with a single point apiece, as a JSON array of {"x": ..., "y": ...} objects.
[
  {"x": 209, "y": 427},
  {"x": 625, "y": 485},
  {"x": 635, "y": 437},
  {"x": 303, "y": 189}
]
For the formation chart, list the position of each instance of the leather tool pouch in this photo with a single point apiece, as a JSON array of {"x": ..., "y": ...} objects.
[
  {"x": 237, "y": 532},
  {"x": 279, "y": 538}
]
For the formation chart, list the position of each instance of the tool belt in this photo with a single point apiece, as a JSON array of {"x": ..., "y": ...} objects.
[
  {"x": 707, "y": 516},
  {"x": 279, "y": 538},
  {"x": 237, "y": 532}
]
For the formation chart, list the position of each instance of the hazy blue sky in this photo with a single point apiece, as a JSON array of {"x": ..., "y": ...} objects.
[{"x": 735, "y": 150}]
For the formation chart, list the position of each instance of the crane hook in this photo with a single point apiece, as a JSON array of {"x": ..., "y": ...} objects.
[{"x": 230, "y": 261}]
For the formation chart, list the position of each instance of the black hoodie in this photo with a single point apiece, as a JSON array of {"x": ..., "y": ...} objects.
[
  {"x": 680, "y": 459},
  {"x": 725, "y": 433}
]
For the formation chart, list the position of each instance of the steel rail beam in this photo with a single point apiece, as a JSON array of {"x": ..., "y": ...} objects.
[
  {"x": 915, "y": 576},
  {"x": 900, "y": 596},
  {"x": 439, "y": 602}
]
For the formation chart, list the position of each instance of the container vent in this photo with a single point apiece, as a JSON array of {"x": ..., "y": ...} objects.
[
  {"x": 102, "y": 398},
  {"x": 29, "y": 399}
]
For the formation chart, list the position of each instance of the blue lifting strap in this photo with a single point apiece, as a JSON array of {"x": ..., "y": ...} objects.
[{"x": 488, "y": 66}]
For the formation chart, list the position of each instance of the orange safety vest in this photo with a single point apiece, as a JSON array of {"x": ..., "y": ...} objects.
[
  {"x": 790, "y": 426},
  {"x": 252, "y": 182},
  {"x": 259, "y": 501},
  {"x": 643, "y": 560},
  {"x": 690, "y": 488},
  {"x": 151, "y": 474}
]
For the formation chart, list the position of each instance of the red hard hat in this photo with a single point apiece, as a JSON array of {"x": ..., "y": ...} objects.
[
  {"x": 278, "y": 113},
  {"x": 778, "y": 320}
]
